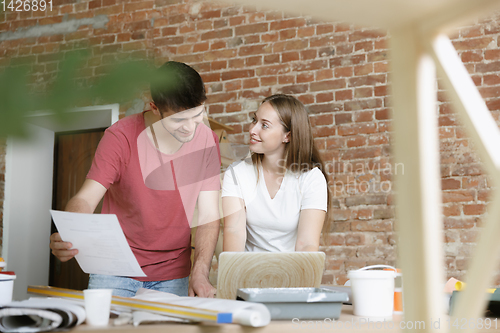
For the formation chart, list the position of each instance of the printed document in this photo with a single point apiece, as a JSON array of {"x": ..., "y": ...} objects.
[{"x": 102, "y": 247}]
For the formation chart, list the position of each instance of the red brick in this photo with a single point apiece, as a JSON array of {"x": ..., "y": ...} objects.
[
  {"x": 270, "y": 37},
  {"x": 323, "y": 131},
  {"x": 256, "y": 94},
  {"x": 236, "y": 63},
  {"x": 290, "y": 56},
  {"x": 327, "y": 107},
  {"x": 361, "y": 153},
  {"x": 458, "y": 196},
  {"x": 363, "y": 92},
  {"x": 305, "y": 32},
  {"x": 328, "y": 85},
  {"x": 377, "y": 56},
  {"x": 458, "y": 223},
  {"x": 380, "y": 67},
  {"x": 477, "y": 209},
  {"x": 356, "y": 141},
  {"x": 472, "y": 44},
  {"x": 487, "y": 92},
  {"x": 218, "y": 45},
  {"x": 220, "y": 24},
  {"x": 272, "y": 70},
  {"x": 288, "y": 34},
  {"x": 467, "y": 170},
  {"x": 286, "y": 24},
  {"x": 453, "y": 210},
  {"x": 472, "y": 56},
  {"x": 237, "y": 74},
  {"x": 363, "y": 104},
  {"x": 334, "y": 143},
  {"x": 341, "y": 95},
  {"x": 324, "y": 29},
  {"x": 378, "y": 139},
  {"x": 309, "y": 65},
  {"x": 221, "y": 98},
  {"x": 343, "y": 71},
  {"x": 321, "y": 120},
  {"x": 135, "y": 6},
  {"x": 254, "y": 49},
  {"x": 306, "y": 99},
  {"x": 250, "y": 83},
  {"x": 363, "y": 69},
  {"x": 347, "y": 60},
  {"x": 305, "y": 77},
  {"x": 324, "y": 97},
  {"x": 369, "y": 80},
  {"x": 290, "y": 45},
  {"x": 354, "y": 129},
  {"x": 203, "y": 25},
  {"x": 450, "y": 184},
  {"x": 307, "y": 54},
  {"x": 363, "y": 116},
  {"x": 491, "y": 79},
  {"x": 233, "y": 85},
  {"x": 343, "y": 118},
  {"x": 233, "y": 107},
  {"x": 378, "y": 226},
  {"x": 271, "y": 59},
  {"x": 364, "y": 46},
  {"x": 219, "y": 54},
  {"x": 215, "y": 34},
  {"x": 286, "y": 79},
  {"x": 236, "y": 20},
  {"x": 294, "y": 89},
  {"x": 365, "y": 34},
  {"x": 324, "y": 74},
  {"x": 344, "y": 49},
  {"x": 251, "y": 29}
]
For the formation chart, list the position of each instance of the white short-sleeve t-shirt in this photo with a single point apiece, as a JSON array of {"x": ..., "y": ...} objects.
[{"x": 272, "y": 223}]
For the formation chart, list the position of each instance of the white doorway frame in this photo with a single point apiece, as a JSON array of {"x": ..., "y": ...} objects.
[{"x": 28, "y": 191}]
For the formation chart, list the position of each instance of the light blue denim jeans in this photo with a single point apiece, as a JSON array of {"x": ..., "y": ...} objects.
[{"x": 127, "y": 287}]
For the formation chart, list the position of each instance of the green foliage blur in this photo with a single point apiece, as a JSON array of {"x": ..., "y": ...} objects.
[{"x": 20, "y": 97}]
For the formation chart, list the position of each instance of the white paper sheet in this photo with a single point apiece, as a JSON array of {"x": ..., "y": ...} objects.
[{"x": 102, "y": 247}]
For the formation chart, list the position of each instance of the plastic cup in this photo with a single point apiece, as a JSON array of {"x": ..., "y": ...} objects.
[
  {"x": 6, "y": 287},
  {"x": 372, "y": 293},
  {"x": 97, "y": 306}
]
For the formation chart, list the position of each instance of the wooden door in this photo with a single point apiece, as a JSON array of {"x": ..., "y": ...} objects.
[{"x": 73, "y": 154}]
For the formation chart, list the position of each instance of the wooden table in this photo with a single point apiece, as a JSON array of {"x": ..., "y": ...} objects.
[{"x": 346, "y": 323}]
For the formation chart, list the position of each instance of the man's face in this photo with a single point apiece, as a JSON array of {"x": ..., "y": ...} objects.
[{"x": 182, "y": 125}]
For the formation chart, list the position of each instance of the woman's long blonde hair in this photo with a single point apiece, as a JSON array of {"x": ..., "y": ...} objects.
[{"x": 301, "y": 155}]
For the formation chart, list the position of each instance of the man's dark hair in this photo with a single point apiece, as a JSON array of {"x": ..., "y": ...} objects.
[{"x": 177, "y": 87}]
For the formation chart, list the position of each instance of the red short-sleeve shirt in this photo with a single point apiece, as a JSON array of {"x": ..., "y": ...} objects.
[{"x": 154, "y": 194}]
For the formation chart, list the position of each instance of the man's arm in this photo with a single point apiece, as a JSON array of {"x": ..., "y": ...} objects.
[
  {"x": 85, "y": 201},
  {"x": 204, "y": 243}
]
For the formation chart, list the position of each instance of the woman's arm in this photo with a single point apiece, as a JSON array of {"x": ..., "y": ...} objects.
[
  {"x": 309, "y": 229},
  {"x": 235, "y": 231}
]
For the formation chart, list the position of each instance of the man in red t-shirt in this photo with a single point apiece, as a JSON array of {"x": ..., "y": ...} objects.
[{"x": 152, "y": 169}]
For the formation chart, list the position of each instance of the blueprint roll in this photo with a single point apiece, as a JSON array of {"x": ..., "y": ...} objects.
[{"x": 256, "y": 315}]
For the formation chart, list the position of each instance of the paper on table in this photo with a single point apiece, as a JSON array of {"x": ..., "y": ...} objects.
[
  {"x": 244, "y": 313},
  {"x": 102, "y": 247}
]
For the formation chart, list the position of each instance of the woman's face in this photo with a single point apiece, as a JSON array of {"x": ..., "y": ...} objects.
[{"x": 267, "y": 134}]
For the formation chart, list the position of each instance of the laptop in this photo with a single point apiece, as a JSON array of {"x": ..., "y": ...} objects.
[{"x": 268, "y": 270}]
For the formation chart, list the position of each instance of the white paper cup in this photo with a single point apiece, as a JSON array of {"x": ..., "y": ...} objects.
[
  {"x": 97, "y": 306},
  {"x": 6, "y": 288},
  {"x": 372, "y": 293}
]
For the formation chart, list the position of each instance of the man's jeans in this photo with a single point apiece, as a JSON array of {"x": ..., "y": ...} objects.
[{"x": 127, "y": 287}]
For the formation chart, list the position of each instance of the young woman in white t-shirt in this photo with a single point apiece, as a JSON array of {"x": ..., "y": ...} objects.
[{"x": 277, "y": 200}]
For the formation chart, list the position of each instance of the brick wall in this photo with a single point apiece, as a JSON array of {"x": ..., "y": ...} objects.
[{"x": 340, "y": 71}]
